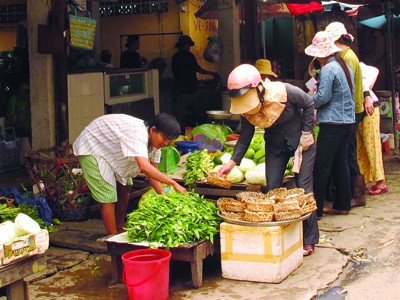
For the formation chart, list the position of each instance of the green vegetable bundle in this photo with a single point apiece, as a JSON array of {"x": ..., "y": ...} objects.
[
  {"x": 198, "y": 164},
  {"x": 173, "y": 219}
]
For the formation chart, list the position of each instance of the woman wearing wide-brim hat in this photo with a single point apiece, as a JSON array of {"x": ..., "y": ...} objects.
[
  {"x": 286, "y": 113},
  {"x": 334, "y": 101}
]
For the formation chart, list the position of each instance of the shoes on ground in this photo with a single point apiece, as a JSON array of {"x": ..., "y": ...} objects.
[
  {"x": 308, "y": 250},
  {"x": 331, "y": 211},
  {"x": 359, "y": 201},
  {"x": 377, "y": 190}
]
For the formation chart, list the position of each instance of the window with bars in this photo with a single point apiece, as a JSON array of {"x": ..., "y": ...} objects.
[
  {"x": 12, "y": 13},
  {"x": 133, "y": 7}
]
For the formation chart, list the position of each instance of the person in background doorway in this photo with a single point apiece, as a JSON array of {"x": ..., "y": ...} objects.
[
  {"x": 18, "y": 113},
  {"x": 287, "y": 114},
  {"x": 265, "y": 69},
  {"x": 334, "y": 102},
  {"x": 105, "y": 59},
  {"x": 185, "y": 68},
  {"x": 131, "y": 58},
  {"x": 114, "y": 148},
  {"x": 343, "y": 40},
  {"x": 369, "y": 148}
]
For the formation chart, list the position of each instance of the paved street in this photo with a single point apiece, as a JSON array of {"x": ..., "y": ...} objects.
[{"x": 357, "y": 258}]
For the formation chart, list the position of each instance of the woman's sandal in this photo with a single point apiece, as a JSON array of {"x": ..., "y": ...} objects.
[
  {"x": 308, "y": 250},
  {"x": 377, "y": 190}
]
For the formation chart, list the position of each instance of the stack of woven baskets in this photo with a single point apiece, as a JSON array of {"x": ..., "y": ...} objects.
[{"x": 277, "y": 205}]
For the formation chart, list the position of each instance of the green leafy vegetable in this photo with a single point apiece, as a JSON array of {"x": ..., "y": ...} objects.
[
  {"x": 198, "y": 164},
  {"x": 173, "y": 219}
]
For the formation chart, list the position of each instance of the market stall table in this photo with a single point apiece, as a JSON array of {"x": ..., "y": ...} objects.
[
  {"x": 12, "y": 275},
  {"x": 194, "y": 253}
]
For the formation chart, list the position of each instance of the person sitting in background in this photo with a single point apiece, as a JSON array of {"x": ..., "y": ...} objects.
[
  {"x": 264, "y": 67},
  {"x": 369, "y": 147},
  {"x": 18, "y": 113},
  {"x": 131, "y": 58},
  {"x": 105, "y": 59}
]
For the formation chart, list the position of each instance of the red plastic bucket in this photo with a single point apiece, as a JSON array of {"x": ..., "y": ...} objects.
[{"x": 146, "y": 273}]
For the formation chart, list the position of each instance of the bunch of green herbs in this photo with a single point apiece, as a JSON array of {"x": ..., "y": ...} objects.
[
  {"x": 198, "y": 164},
  {"x": 172, "y": 219}
]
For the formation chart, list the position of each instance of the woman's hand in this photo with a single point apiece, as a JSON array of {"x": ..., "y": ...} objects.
[
  {"x": 368, "y": 105},
  {"x": 226, "y": 169}
]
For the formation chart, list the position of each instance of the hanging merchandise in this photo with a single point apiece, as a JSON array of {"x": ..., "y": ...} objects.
[{"x": 82, "y": 30}]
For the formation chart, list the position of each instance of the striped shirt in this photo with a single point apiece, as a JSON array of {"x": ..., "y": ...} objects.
[{"x": 115, "y": 140}]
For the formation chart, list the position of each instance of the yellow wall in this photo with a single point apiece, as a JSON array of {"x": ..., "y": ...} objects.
[
  {"x": 178, "y": 19},
  {"x": 8, "y": 38}
]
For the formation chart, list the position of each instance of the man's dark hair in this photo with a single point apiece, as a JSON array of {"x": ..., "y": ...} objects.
[
  {"x": 132, "y": 39},
  {"x": 167, "y": 125}
]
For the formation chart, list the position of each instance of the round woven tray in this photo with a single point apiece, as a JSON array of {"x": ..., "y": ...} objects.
[
  {"x": 230, "y": 205},
  {"x": 286, "y": 206},
  {"x": 250, "y": 216},
  {"x": 288, "y": 215},
  {"x": 267, "y": 206}
]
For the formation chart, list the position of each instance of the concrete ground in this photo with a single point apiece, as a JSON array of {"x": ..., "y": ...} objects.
[{"x": 357, "y": 258}]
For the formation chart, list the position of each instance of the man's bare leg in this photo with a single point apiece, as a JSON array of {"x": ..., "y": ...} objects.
[
  {"x": 123, "y": 192},
  {"x": 108, "y": 216}
]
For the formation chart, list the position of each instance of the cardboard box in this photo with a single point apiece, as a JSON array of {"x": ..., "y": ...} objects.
[
  {"x": 262, "y": 254},
  {"x": 24, "y": 246}
]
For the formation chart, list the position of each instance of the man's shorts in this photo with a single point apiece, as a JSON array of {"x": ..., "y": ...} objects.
[{"x": 100, "y": 189}]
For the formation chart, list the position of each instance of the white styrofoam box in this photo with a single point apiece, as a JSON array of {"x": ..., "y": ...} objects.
[
  {"x": 24, "y": 246},
  {"x": 262, "y": 254}
]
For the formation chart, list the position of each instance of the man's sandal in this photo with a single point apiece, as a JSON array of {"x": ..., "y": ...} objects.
[{"x": 308, "y": 250}]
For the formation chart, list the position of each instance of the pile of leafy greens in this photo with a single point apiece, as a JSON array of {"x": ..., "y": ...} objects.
[{"x": 172, "y": 219}]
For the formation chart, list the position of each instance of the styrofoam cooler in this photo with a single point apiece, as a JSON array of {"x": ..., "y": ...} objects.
[{"x": 262, "y": 254}]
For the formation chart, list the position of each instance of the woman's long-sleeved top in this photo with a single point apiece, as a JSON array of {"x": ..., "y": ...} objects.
[{"x": 334, "y": 100}]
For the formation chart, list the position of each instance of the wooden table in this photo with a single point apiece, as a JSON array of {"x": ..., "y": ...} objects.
[
  {"x": 194, "y": 253},
  {"x": 12, "y": 275}
]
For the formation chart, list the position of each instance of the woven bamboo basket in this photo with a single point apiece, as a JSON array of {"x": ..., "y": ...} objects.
[
  {"x": 214, "y": 178},
  {"x": 288, "y": 215},
  {"x": 232, "y": 215},
  {"x": 253, "y": 197},
  {"x": 230, "y": 205},
  {"x": 250, "y": 216},
  {"x": 276, "y": 192},
  {"x": 286, "y": 206},
  {"x": 308, "y": 208},
  {"x": 306, "y": 199},
  {"x": 266, "y": 206}
]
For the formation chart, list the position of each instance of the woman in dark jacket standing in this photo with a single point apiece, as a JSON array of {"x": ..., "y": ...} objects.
[{"x": 286, "y": 113}]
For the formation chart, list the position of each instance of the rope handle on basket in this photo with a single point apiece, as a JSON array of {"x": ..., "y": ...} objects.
[{"x": 144, "y": 280}]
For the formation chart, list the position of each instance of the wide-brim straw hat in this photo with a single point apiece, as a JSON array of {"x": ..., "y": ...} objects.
[
  {"x": 337, "y": 29},
  {"x": 322, "y": 45},
  {"x": 264, "y": 67}
]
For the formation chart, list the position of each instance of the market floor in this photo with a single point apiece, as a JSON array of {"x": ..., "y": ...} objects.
[{"x": 348, "y": 245}]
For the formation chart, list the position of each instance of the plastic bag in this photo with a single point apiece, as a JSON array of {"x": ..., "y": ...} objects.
[
  {"x": 211, "y": 53},
  {"x": 39, "y": 203},
  {"x": 212, "y": 131}
]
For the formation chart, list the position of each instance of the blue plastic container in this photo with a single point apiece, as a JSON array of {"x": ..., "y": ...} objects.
[{"x": 187, "y": 146}]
